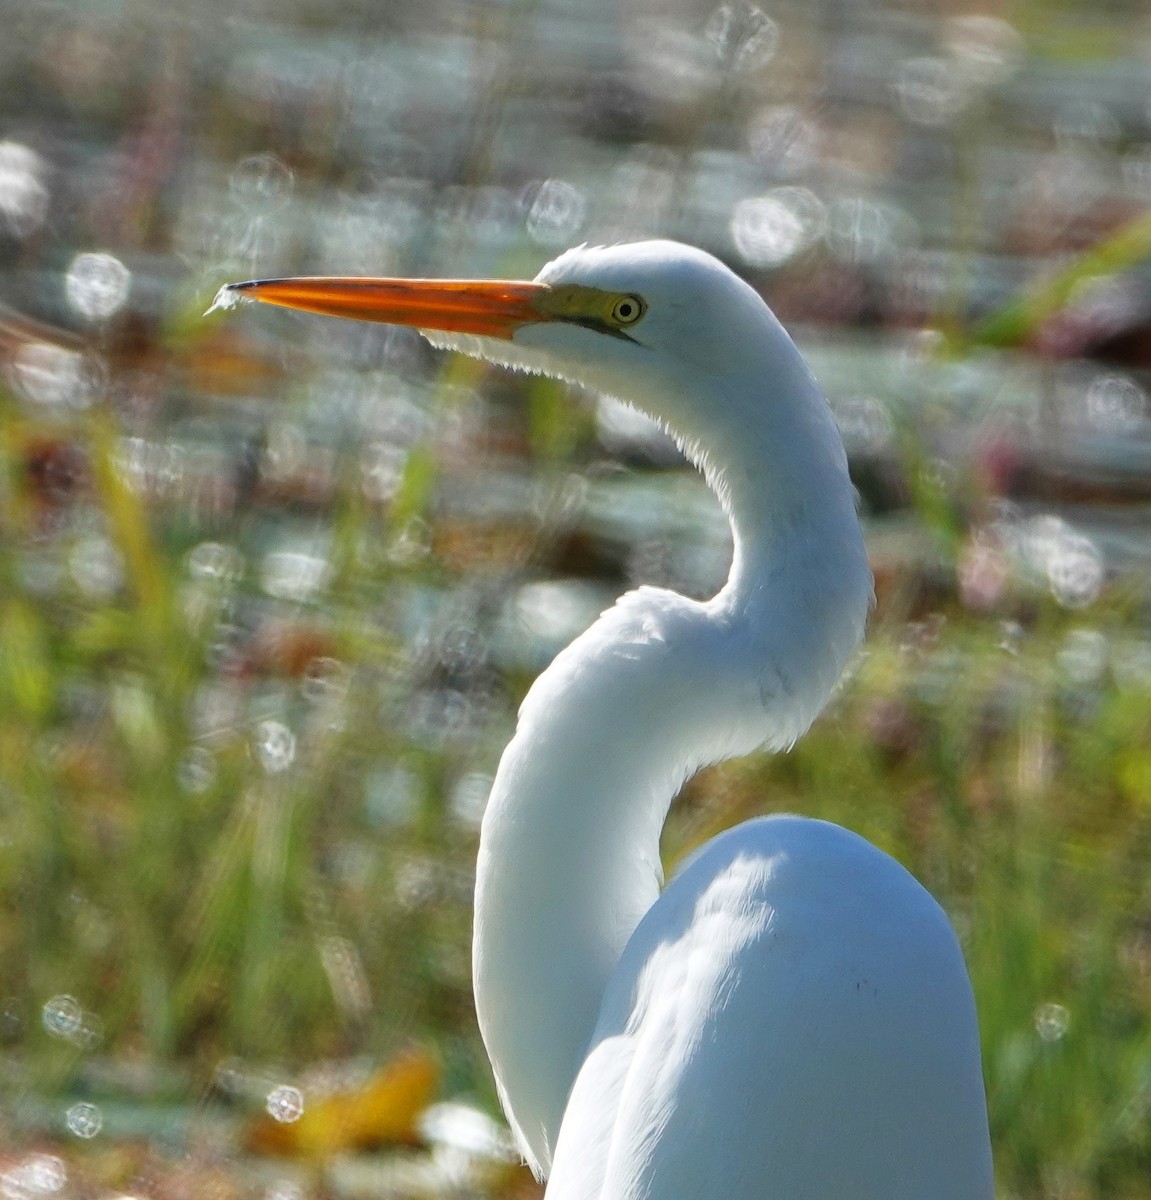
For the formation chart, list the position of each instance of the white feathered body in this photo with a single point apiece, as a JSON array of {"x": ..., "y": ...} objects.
[
  {"x": 789, "y": 951},
  {"x": 791, "y": 1018}
]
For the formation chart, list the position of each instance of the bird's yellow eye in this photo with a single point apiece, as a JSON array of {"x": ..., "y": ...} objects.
[
  {"x": 627, "y": 310},
  {"x": 603, "y": 311}
]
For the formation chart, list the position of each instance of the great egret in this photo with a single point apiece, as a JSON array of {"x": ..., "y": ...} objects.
[{"x": 790, "y": 1018}]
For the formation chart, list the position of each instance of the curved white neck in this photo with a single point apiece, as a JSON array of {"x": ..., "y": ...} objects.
[{"x": 656, "y": 688}]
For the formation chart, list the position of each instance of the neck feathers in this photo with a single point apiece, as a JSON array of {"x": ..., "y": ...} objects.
[{"x": 657, "y": 687}]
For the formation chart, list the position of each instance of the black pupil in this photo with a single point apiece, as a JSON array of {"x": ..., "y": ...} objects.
[{"x": 625, "y": 309}]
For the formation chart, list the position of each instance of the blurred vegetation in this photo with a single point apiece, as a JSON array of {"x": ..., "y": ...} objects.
[{"x": 271, "y": 588}]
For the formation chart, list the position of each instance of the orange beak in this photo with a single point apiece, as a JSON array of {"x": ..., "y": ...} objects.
[{"x": 491, "y": 308}]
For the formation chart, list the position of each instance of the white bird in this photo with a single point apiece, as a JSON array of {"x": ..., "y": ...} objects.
[{"x": 791, "y": 1017}]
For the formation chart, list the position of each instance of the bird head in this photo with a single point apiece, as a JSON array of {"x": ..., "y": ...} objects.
[{"x": 642, "y": 321}]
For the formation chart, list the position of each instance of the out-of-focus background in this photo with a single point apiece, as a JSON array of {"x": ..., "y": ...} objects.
[{"x": 271, "y": 586}]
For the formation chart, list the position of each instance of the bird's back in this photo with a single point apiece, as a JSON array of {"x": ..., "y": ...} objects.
[{"x": 791, "y": 1020}]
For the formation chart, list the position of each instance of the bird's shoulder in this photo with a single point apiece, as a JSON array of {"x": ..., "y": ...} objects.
[{"x": 778, "y": 971}]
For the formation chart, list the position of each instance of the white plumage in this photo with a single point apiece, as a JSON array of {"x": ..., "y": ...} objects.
[{"x": 790, "y": 1019}]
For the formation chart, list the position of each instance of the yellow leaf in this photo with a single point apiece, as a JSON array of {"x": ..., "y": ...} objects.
[{"x": 383, "y": 1110}]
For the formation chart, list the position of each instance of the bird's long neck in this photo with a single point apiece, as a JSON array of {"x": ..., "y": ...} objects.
[{"x": 660, "y": 685}]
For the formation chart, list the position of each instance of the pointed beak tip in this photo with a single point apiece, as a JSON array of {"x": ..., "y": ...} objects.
[{"x": 227, "y": 297}]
